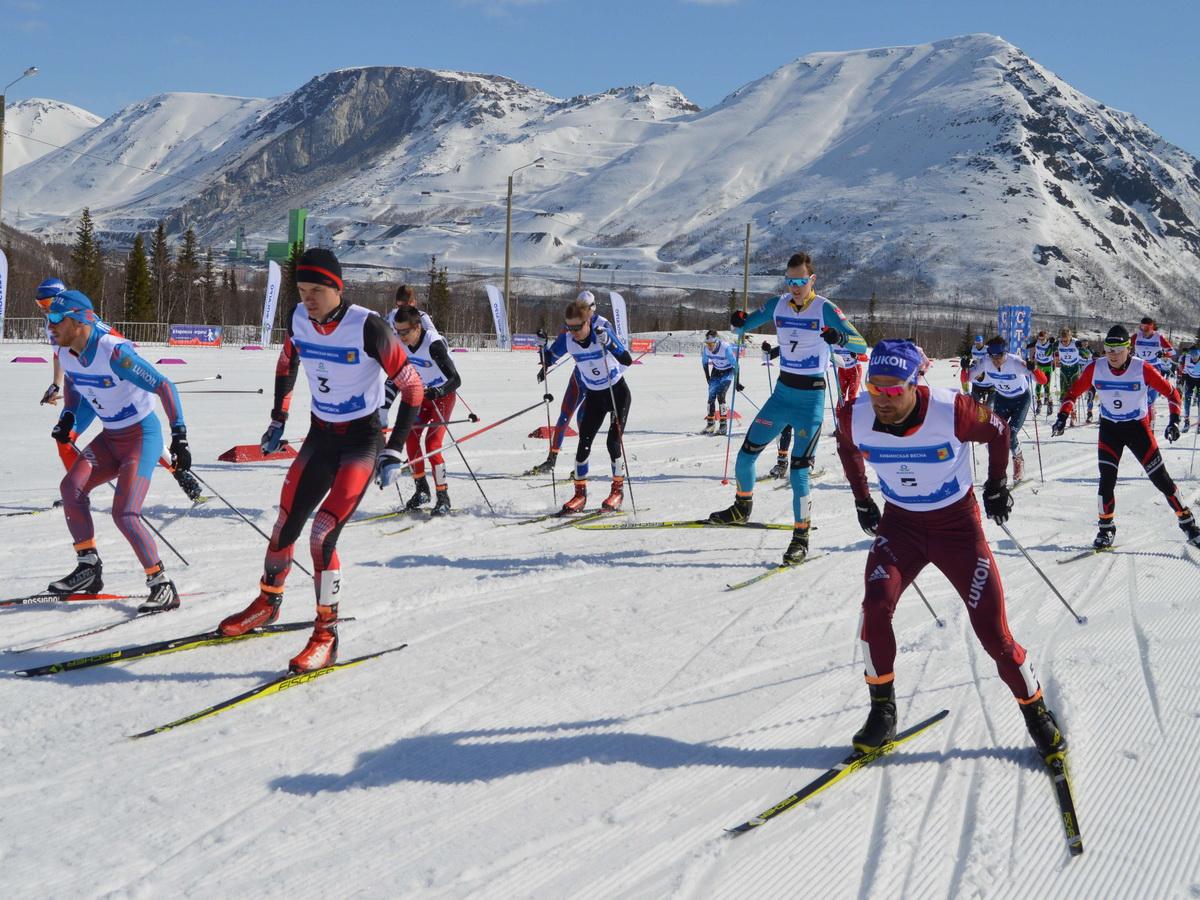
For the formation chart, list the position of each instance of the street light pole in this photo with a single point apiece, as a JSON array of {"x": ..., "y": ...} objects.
[
  {"x": 28, "y": 73},
  {"x": 508, "y": 238}
]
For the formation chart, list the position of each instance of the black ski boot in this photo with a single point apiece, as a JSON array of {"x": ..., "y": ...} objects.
[
  {"x": 797, "y": 550},
  {"x": 421, "y": 497},
  {"x": 163, "y": 595},
  {"x": 880, "y": 726},
  {"x": 1105, "y": 536},
  {"x": 737, "y": 514},
  {"x": 442, "y": 506},
  {"x": 1187, "y": 524},
  {"x": 1043, "y": 729},
  {"x": 86, "y": 579},
  {"x": 780, "y": 469}
]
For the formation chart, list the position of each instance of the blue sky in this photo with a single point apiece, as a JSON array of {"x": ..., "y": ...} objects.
[{"x": 1137, "y": 56}]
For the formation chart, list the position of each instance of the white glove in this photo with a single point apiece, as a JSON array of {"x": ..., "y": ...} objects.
[{"x": 388, "y": 468}]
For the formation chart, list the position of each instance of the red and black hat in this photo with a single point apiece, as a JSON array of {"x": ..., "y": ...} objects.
[{"x": 319, "y": 266}]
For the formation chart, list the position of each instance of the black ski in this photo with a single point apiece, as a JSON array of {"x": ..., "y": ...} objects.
[
  {"x": 79, "y": 634},
  {"x": 274, "y": 686},
  {"x": 851, "y": 763}
]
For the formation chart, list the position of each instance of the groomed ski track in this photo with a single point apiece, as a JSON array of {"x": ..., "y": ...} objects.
[{"x": 582, "y": 713}]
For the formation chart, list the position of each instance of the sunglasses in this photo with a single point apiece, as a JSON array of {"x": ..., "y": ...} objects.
[
  {"x": 796, "y": 282},
  {"x": 895, "y": 390},
  {"x": 405, "y": 332},
  {"x": 570, "y": 327},
  {"x": 55, "y": 318}
]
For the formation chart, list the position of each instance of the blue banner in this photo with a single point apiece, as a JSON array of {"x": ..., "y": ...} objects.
[
  {"x": 195, "y": 336},
  {"x": 1016, "y": 326}
]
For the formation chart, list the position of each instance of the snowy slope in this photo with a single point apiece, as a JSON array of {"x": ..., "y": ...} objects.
[
  {"x": 582, "y": 713},
  {"x": 29, "y": 123}
]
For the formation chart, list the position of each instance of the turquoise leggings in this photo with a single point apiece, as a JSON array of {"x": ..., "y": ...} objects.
[{"x": 804, "y": 411}]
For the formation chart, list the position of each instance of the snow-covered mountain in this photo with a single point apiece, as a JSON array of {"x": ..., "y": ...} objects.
[
  {"x": 908, "y": 171},
  {"x": 32, "y": 128}
]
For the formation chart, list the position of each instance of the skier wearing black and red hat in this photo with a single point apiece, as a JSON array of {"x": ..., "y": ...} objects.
[{"x": 348, "y": 352}]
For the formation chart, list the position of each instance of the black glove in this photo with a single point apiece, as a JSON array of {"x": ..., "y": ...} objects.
[
  {"x": 997, "y": 501},
  {"x": 1060, "y": 425},
  {"x": 51, "y": 395},
  {"x": 737, "y": 318},
  {"x": 541, "y": 375},
  {"x": 272, "y": 437},
  {"x": 542, "y": 335},
  {"x": 766, "y": 346},
  {"x": 62, "y": 428},
  {"x": 435, "y": 393},
  {"x": 832, "y": 336},
  {"x": 181, "y": 456},
  {"x": 737, "y": 386},
  {"x": 1172, "y": 432},
  {"x": 868, "y": 515}
]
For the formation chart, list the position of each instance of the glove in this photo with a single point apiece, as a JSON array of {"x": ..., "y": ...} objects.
[
  {"x": 1172, "y": 432},
  {"x": 997, "y": 501},
  {"x": 51, "y": 395},
  {"x": 181, "y": 456},
  {"x": 737, "y": 386},
  {"x": 1060, "y": 425},
  {"x": 435, "y": 393},
  {"x": 541, "y": 375},
  {"x": 868, "y": 515},
  {"x": 737, "y": 318},
  {"x": 766, "y": 346},
  {"x": 388, "y": 468},
  {"x": 272, "y": 437},
  {"x": 62, "y": 428},
  {"x": 832, "y": 336},
  {"x": 542, "y": 336},
  {"x": 603, "y": 338}
]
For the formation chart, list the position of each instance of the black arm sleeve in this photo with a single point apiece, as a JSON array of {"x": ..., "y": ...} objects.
[
  {"x": 287, "y": 367},
  {"x": 625, "y": 358},
  {"x": 440, "y": 353}
]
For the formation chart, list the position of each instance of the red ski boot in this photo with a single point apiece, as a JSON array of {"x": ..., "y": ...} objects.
[
  {"x": 616, "y": 494},
  {"x": 263, "y": 611},
  {"x": 579, "y": 501},
  {"x": 321, "y": 651}
]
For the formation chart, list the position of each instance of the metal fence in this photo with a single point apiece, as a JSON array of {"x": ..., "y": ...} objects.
[{"x": 148, "y": 333}]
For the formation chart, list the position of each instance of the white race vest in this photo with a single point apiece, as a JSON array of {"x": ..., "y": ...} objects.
[
  {"x": 1191, "y": 365},
  {"x": 1122, "y": 397},
  {"x": 593, "y": 361},
  {"x": 978, "y": 353},
  {"x": 802, "y": 350},
  {"x": 1043, "y": 354},
  {"x": 843, "y": 359},
  {"x": 1068, "y": 354},
  {"x": 929, "y": 469},
  {"x": 718, "y": 358},
  {"x": 431, "y": 373},
  {"x": 1010, "y": 380},
  {"x": 1147, "y": 347},
  {"x": 119, "y": 404},
  {"x": 345, "y": 382}
]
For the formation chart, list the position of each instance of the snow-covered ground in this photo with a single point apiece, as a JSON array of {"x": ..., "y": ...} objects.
[{"x": 583, "y": 713}]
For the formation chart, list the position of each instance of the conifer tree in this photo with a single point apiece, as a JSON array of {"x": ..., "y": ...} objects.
[
  {"x": 86, "y": 260},
  {"x": 187, "y": 268},
  {"x": 160, "y": 272},
  {"x": 210, "y": 308},
  {"x": 139, "y": 296}
]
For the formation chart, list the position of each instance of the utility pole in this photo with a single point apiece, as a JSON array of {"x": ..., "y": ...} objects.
[{"x": 28, "y": 73}]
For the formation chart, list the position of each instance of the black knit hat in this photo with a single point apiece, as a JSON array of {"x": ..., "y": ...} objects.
[
  {"x": 1118, "y": 336},
  {"x": 319, "y": 266}
]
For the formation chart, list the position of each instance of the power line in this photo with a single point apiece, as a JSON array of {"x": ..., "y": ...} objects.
[{"x": 114, "y": 162}]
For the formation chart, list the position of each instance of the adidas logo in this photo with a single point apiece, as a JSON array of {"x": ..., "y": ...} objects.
[{"x": 880, "y": 574}]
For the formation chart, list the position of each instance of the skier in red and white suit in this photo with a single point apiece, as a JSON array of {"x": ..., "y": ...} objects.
[
  {"x": 347, "y": 352},
  {"x": 916, "y": 437}
]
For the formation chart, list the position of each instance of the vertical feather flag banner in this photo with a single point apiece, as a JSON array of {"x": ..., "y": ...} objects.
[
  {"x": 3, "y": 288},
  {"x": 499, "y": 316},
  {"x": 620, "y": 317},
  {"x": 274, "y": 276}
]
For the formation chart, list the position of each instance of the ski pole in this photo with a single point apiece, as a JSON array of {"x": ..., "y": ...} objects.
[
  {"x": 612, "y": 400},
  {"x": 1038, "y": 443},
  {"x": 748, "y": 400},
  {"x": 444, "y": 423},
  {"x": 551, "y": 432},
  {"x": 925, "y": 600},
  {"x": 145, "y": 521},
  {"x": 198, "y": 380},
  {"x": 546, "y": 398},
  {"x": 737, "y": 365},
  {"x": 1082, "y": 620},
  {"x": 471, "y": 419},
  {"x": 242, "y": 516},
  {"x": 259, "y": 391},
  {"x": 1192, "y": 461}
]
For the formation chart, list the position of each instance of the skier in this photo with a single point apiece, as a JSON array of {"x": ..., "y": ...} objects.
[
  {"x": 406, "y": 297},
  {"x": 430, "y": 354},
  {"x": 808, "y": 325},
  {"x": 104, "y": 373},
  {"x": 600, "y": 361},
  {"x": 849, "y": 375},
  {"x": 1123, "y": 384},
  {"x": 914, "y": 436},
  {"x": 780, "y": 469},
  {"x": 1070, "y": 363},
  {"x": 1085, "y": 357},
  {"x": 1042, "y": 354},
  {"x": 573, "y": 396},
  {"x": 347, "y": 352},
  {"x": 1009, "y": 375},
  {"x": 1150, "y": 345},
  {"x": 717, "y": 359},
  {"x": 1189, "y": 374}
]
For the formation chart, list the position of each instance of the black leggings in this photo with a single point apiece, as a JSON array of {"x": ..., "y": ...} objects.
[
  {"x": 1136, "y": 436},
  {"x": 597, "y": 405}
]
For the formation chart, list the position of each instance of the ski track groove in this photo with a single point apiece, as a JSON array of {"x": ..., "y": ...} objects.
[{"x": 1143, "y": 645}]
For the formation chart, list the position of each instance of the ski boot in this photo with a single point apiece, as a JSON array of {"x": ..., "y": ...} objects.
[
  {"x": 1187, "y": 523},
  {"x": 724, "y": 417},
  {"x": 1088, "y": 420},
  {"x": 321, "y": 650},
  {"x": 1018, "y": 468},
  {"x": 163, "y": 595},
  {"x": 1046, "y": 734},
  {"x": 579, "y": 501},
  {"x": 441, "y": 506},
  {"x": 797, "y": 550},
  {"x": 737, "y": 514},
  {"x": 1037, "y": 407},
  {"x": 616, "y": 494},
  {"x": 880, "y": 726},
  {"x": 86, "y": 579},
  {"x": 262, "y": 611},
  {"x": 1187, "y": 423},
  {"x": 1105, "y": 536},
  {"x": 710, "y": 427},
  {"x": 546, "y": 466},
  {"x": 1049, "y": 408},
  {"x": 420, "y": 498},
  {"x": 780, "y": 469}
]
